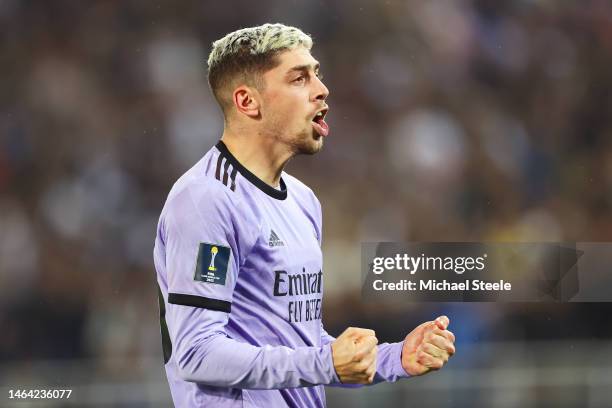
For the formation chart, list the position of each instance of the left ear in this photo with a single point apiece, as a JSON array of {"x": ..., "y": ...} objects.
[{"x": 246, "y": 100}]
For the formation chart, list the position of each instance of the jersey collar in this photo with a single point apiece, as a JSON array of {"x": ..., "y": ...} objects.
[{"x": 257, "y": 182}]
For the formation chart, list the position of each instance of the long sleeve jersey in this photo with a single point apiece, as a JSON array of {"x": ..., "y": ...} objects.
[{"x": 240, "y": 276}]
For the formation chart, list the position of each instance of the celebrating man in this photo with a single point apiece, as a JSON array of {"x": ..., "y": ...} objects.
[{"x": 238, "y": 255}]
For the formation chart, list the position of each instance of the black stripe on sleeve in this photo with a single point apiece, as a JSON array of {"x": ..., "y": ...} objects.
[
  {"x": 218, "y": 171},
  {"x": 233, "y": 178},
  {"x": 225, "y": 167},
  {"x": 199, "y": 301}
]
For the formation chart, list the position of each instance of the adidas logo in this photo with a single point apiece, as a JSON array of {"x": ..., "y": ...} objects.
[{"x": 274, "y": 240}]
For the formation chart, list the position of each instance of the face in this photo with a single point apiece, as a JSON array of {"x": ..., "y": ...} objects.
[{"x": 291, "y": 99}]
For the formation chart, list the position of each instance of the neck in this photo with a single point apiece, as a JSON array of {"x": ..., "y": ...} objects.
[{"x": 262, "y": 155}]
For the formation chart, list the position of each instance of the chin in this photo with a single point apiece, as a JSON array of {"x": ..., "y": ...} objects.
[
  {"x": 308, "y": 144},
  {"x": 313, "y": 145},
  {"x": 313, "y": 149}
]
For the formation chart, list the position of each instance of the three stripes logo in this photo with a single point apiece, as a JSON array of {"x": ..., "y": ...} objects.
[
  {"x": 274, "y": 240},
  {"x": 227, "y": 175}
]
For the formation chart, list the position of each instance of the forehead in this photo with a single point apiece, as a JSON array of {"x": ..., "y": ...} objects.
[{"x": 293, "y": 58}]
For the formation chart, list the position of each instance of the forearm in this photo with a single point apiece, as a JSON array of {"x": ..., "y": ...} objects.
[
  {"x": 218, "y": 360},
  {"x": 389, "y": 363}
]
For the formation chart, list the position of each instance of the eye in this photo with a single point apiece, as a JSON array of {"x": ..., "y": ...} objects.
[
  {"x": 299, "y": 79},
  {"x": 319, "y": 75}
]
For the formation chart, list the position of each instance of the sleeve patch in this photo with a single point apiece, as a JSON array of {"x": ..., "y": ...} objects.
[{"x": 212, "y": 263}]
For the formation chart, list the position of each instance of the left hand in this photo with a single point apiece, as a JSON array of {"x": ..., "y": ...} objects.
[{"x": 428, "y": 347}]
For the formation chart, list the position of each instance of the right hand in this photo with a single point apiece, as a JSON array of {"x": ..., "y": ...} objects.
[{"x": 354, "y": 355}]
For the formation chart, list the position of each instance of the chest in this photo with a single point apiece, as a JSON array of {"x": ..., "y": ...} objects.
[
  {"x": 287, "y": 250},
  {"x": 284, "y": 268}
]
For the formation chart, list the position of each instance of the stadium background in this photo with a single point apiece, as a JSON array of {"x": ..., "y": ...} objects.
[{"x": 451, "y": 121}]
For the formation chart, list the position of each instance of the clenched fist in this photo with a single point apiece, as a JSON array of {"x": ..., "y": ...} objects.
[
  {"x": 428, "y": 347},
  {"x": 354, "y": 355}
]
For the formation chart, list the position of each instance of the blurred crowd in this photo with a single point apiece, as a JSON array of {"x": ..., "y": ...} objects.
[{"x": 450, "y": 121}]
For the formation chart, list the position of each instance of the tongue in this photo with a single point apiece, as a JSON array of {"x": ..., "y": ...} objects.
[{"x": 321, "y": 127}]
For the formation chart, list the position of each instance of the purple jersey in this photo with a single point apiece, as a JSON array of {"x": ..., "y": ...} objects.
[{"x": 239, "y": 268}]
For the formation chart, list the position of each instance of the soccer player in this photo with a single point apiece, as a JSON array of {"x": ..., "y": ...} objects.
[{"x": 238, "y": 248}]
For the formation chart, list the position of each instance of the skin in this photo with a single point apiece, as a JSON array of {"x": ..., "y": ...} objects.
[
  {"x": 264, "y": 129},
  {"x": 354, "y": 353},
  {"x": 428, "y": 347}
]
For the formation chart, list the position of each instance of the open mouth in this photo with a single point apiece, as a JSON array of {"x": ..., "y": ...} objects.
[{"x": 319, "y": 124}]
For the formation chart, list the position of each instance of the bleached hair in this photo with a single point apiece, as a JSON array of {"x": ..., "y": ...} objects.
[{"x": 245, "y": 54}]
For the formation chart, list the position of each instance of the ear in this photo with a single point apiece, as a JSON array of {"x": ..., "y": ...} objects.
[{"x": 246, "y": 100}]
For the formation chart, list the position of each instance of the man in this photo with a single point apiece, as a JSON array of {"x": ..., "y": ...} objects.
[{"x": 237, "y": 253}]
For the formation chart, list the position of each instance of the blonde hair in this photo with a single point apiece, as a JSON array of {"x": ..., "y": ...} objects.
[{"x": 245, "y": 54}]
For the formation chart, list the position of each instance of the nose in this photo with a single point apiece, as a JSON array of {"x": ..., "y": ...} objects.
[{"x": 321, "y": 92}]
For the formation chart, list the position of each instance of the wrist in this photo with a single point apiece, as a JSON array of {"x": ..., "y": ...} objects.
[
  {"x": 334, "y": 378},
  {"x": 400, "y": 370}
]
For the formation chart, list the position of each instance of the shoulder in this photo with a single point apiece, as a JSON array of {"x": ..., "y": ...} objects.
[{"x": 199, "y": 194}]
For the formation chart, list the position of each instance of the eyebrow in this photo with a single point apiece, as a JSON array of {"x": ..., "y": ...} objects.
[{"x": 304, "y": 68}]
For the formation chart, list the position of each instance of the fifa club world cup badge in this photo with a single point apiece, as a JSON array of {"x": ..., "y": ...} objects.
[{"x": 212, "y": 263}]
